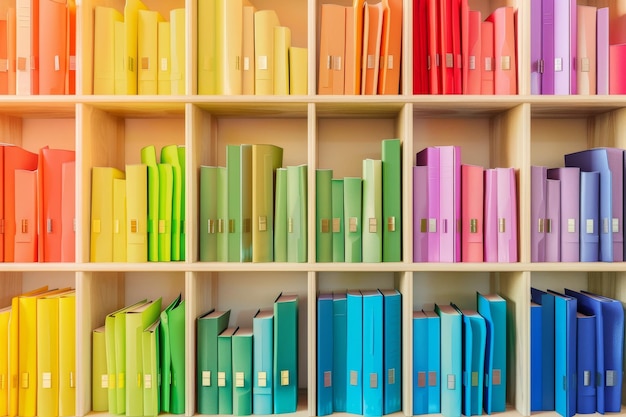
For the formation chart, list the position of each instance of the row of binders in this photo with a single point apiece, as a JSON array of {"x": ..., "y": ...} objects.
[
  {"x": 242, "y": 50},
  {"x": 359, "y": 219},
  {"x": 462, "y": 213},
  {"x": 138, "y": 363},
  {"x": 253, "y": 210},
  {"x": 37, "y": 203},
  {"x": 244, "y": 371},
  {"x": 38, "y": 348},
  {"x": 456, "y": 52},
  {"x": 359, "y": 363},
  {"x": 576, "y": 352},
  {"x": 38, "y": 53},
  {"x": 460, "y": 358},
  {"x": 138, "y": 215},
  {"x": 138, "y": 51},
  {"x": 577, "y": 211},
  {"x": 572, "y": 51},
  {"x": 360, "y": 48}
]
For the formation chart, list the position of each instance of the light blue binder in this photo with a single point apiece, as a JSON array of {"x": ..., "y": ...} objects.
[
  {"x": 372, "y": 353},
  {"x": 565, "y": 353},
  {"x": 263, "y": 351},
  {"x": 451, "y": 360},
  {"x": 340, "y": 336}
]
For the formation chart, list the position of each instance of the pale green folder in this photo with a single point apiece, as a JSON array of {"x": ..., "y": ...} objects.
[
  {"x": 208, "y": 328},
  {"x": 207, "y": 228},
  {"x": 372, "y": 235},
  {"x": 337, "y": 226},
  {"x": 323, "y": 215},
  {"x": 99, "y": 375},
  {"x": 166, "y": 184},
  {"x": 392, "y": 200},
  {"x": 280, "y": 216},
  {"x": 239, "y": 167},
  {"x": 177, "y": 346},
  {"x": 148, "y": 157},
  {"x": 166, "y": 354},
  {"x": 297, "y": 213},
  {"x": 119, "y": 220},
  {"x": 136, "y": 213},
  {"x": 137, "y": 320},
  {"x": 169, "y": 155},
  {"x": 265, "y": 160},
  {"x": 242, "y": 372},
  {"x": 182, "y": 160},
  {"x": 222, "y": 214},
  {"x": 225, "y": 370},
  {"x": 352, "y": 193},
  {"x": 151, "y": 369}
]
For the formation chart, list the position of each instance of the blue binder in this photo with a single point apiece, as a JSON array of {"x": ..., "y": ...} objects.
[
  {"x": 547, "y": 340},
  {"x": 324, "y": 354},
  {"x": 372, "y": 352},
  {"x": 434, "y": 362},
  {"x": 589, "y": 216},
  {"x": 493, "y": 308},
  {"x": 354, "y": 348},
  {"x": 451, "y": 360},
  {"x": 536, "y": 356},
  {"x": 565, "y": 353},
  {"x": 421, "y": 342},
  {"x": 340, "y": 351},
  {"x": 392, "y": 351},
  {"x": 586, "y": 396}
]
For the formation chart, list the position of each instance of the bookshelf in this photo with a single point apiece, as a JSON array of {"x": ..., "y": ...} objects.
[{"x": 334, "y": 132}]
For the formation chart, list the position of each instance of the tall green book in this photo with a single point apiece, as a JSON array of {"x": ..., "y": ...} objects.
[
  {"x": 148, "y": 157},
  {"x": 280, "y": 216},
  {"x": 242, "y": 372},
  {"x": 182, "y": 160},
  {"x": 165, "y": 352},
  {"x": 169, "y": 155},
  {"x": 372, "y": 235},
  {"x": 352, "y": 203},
  {"x": 207, "y": 228},
  {"x": 337, "y": 218},
  {"x": 323, "y": 215},
  {"x": 209, "y": 326},
  {"x": 222, "y": 214},
  {"x": 285, "y": 353},
  {"x": 99, "y": 376},
  {"x": 225, "y": 370},
  {"x": 297, "y": 213},
  {"x": 392, "y": 200}
]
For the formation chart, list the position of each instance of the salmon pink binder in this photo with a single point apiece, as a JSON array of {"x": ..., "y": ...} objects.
[
  {"x": 53, "y": 24},
  {"x": 486, "y": 64},
  {"x": 70, "y": 68},
  {"x": 617, "y": 63},
  {"x": 11, "y": 48},
  {"x": 472, "y": 54},
  {"x": 68, "y": 212},
  {"x": 4, "y": 59},
  {"x": 504, "y": 50},
  {"x": 456, "y": 48},
  {"x": 472, "y": 201},
  {"x": 25, "y": 205},
  {"x": 391, "y": 49},
  {"x": 586, "y": 52}
]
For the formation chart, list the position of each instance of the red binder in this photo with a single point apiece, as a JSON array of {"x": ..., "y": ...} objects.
[{"x": 420, "y": 47}]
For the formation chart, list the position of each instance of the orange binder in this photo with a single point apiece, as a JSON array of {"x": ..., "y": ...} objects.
[
  {"x": 11, "y": 47},
  {"x": 332, "y": 49},
  {"x": 68, "y": 212},
  {"x": 372, "y": 34},
  {"x": 487, "y": 70},
  {"x": 472, "y": 54},
  {"x": 27, "y": 47},
  {"x": 355, "y": 49},
  {"x": 4, "y": 59},
  {"x": 70, "y": 68},
  {"x": 26, "y": 216},
  {"x": 391, "y": 48},
  {"x": 52, "y": 46},
  {"x": 50, "y": 201},
  {"x": 434, "y": 47},
  {"x": 504, "y": 50},
  {"x": 348, "y": 62},
  {"x": 14, "y": 158},
  {"x": 2, "y": 218}
]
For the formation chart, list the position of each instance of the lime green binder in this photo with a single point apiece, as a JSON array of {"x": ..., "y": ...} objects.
[
  {"x": 392, "y": 200},
  {"x": 166, "y": 184},
  {"x": 207, "y": 229},
  {"x": 323, "y": 215},
  {"x": 222, "y": 214},
  {"x": 242, "y": 372},
  {"x": 182, "y": 160},
  {"x": 352, "y": 203},
  {"x": 166, "y": 354},
  {"x": 151, "y": 369},
  {"x": 225, "y": 370},
  {"x": 99, "y": 375},
  {"x": 280, "y": 216},
  {"x": 336, "y": 224},
  {"x": 169, "y": 155},
  {"x": 148, "y": 157},
  {"x": 371, "y": 230},
  {"x": 297, "y": 213}
]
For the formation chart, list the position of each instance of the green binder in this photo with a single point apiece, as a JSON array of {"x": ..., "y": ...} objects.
[
  {"x": 151, "y": 369},
  {"x": 239, "y": 167},
  {"x": 166, "y": 183},
  {"x": 280, "y": 216},
  {"x": 222, "y": 214},
  {"x": 372, "y": 235},
  {"x": 392, "y": 200},
  {"x": 225, "y": 370},
  {"x": 297, "y": 213},
  {"x": 99, "y": 375},
  {"x": 323, "y": 215},
  {"x": 176, "y": 318},
  {"x": 182, "y": 160},
  {"x": 352, "y": 193},
  {"x": 148, "y": 157},
  {"x": 285, "y": 354},
  {"x": 166, "y": 354},
  {"x": 169, "y": 155},
  {"x": 242, "y": 372},
  {"x": 337, "y": 226},
  {"x": 207, "y": 228},
  {"x": 209, "y": 326}
]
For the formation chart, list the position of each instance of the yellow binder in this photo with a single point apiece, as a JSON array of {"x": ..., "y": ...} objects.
[
  {"x": 119, "y": 220},
  {"x": 67, "y": 354},
  {"x": 131, "y": 12},
  {"x": 177, "y": 50},
  {"x": 147, "y": 50},
  {"x": 102, "y": 213},
  {"x": 264, "y": 23},
  {"x": 206, "y": 46},
  {"x": 137, "y": 213},
  {"x": 164, "y": 57},
  {"x": 5, "y": 315},
  {"x": 282, "y": 42},
  {"x": 104, "y": 53},
  {"x": 229, "y": 47}
]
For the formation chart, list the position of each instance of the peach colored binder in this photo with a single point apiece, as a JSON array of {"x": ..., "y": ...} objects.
[
  {"x": 487, "y": 65},
  {"x": 247, "y": 84},
  {"x": 52, "y": 46},
  {"x": 4, "y": 59},
  {"x": 264, "y": 23},
  {"x": 472, "y": 56},
  {"x": 68, "y": 212},
  {"x": 504, "y": 50},
  {"x": 391, "y": 48},
  {"x": 372, "y": 34},
  {"x": 26, "y": 215},
  {"x": 27, "y": 47},
  {"x": 586, "y": 53},
  {"x": 11, "y": 24},
  {"x": 332, "y": 49},
  {"x": 70, "y": 68},
  {"x": 354, "y": 50}
]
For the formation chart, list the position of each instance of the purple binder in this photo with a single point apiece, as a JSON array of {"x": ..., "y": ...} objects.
[
  {"x": 570, "y": 211},
  {"x": 450, "y": 203},
  {"x": 538, "y": 176},
  {"x": 429, "y": 157},
  {"x": 420, "y": 214},
  {"x": 547, "y": 46},
  {"x": 536, "y": 62},
  {"x": 565, "y": 21},
  {"x": 553, "y": 221}
]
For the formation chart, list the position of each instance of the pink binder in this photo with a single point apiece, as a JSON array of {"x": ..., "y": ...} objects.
[
  {"x": 450, "y": 203},
  {"x": 617, "y": 63},
  {"x": 472, "y": 55},
  {"x": 490, "y": 233},
  {"x": 429, "y": 157},
  {"x": 420, "y": 214},
  {"x": 486, "y": 64},
  {"x": 538, "y": 175},
  {"x": 472, "y": 201},
  {"x": 507, "y": 215},
  {"x": 602, "y": 51}
]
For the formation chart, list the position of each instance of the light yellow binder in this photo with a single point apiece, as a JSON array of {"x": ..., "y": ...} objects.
[
  {"x": 101, "y": 249},
  {"x": 137, "y": 213},
  {"x": 131, "y": 12},
  {"x": 147, "y": 51},
  {"x": 104, "y": 49},
  {"x": 298, "y": 71},
  {"x": 228, "y": 46},
  {"x": 248, "y": 50},
  {"x": 5, "y": 315},
  {"x": 119, "y": 220},
  {"x": 164, "y": 57},
  {"x": 177, "y": 50},
  {"x": 264, "y": 23},
  {"x": 67, "y": 354},
  {"x": 207, "y": 48},
  {"x": 282, "y": 42}
]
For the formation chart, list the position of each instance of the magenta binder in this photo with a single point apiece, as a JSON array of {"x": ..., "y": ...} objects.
[
  {"x": 420, "y": 214},
  {"x": 547, "y": 46},
  {"x": 565, "y": 47},
  {"x": 538, "y": 175},
  {"x": 429, "y": 157},
  {"x": 602, "y": 51},
  {"x": 507, "y": 214},
  {"x": 450, "y": 203},
  {"x": 553, "y": 220},
  {"x": 490, "y": 238},
  {"x": 570, "y": 211}
]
